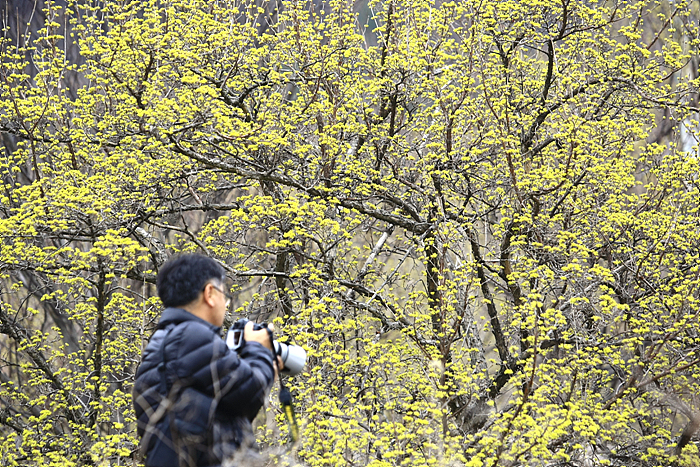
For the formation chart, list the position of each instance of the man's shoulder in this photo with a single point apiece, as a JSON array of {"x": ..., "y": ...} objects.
[
  {"x": 193, "y": 336},
  {"x": 176, "y": 340},
  {"x": 182, "y": 327},
  {"x": 194, "y": 328}
]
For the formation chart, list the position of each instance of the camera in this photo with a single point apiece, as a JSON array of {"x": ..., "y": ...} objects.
[{"x": 293, "y": 356}]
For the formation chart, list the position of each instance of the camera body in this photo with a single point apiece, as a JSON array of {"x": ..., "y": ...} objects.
[{"x": 293, "y": 356}]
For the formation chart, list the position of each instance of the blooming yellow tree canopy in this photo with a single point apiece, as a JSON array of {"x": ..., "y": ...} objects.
[{"x": 480, "y": 218}]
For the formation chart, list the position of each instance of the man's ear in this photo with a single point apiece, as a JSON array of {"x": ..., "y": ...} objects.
[{"x": 208, "y": 294}]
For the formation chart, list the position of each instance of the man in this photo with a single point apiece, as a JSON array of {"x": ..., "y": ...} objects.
[{"x": 194, "y": 397}]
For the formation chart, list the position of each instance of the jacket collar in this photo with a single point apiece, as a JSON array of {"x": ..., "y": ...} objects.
[{"x": 178, "y": 315}]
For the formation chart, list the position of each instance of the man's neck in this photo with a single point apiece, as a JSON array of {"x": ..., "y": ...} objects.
[{"x": 200, "y": 310}]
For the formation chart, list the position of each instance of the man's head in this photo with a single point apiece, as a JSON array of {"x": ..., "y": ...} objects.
[{"x": 187, "y": 279}]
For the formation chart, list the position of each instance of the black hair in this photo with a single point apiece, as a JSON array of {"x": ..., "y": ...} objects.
[{"x": 181, "y": 279}]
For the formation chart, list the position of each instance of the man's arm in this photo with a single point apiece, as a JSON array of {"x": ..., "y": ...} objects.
[
  {"x": 238, "y": 381},
  {"x": 247, "y": 398},
  {"x": 263, "y": 337}
]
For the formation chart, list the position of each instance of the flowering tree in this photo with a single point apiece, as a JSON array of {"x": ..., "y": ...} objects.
[{"x": 479, "y": 218}]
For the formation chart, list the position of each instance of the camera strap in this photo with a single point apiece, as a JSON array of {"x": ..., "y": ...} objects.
[
  {"x": 288, "y": 408},
  {"x": 285, "y": 395},
  {"x": 163, "y": 388}
]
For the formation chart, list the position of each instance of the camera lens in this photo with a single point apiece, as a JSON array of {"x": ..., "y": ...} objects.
[{"x": 293, "y": 357}]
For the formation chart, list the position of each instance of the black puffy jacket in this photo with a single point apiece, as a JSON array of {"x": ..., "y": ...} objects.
[{"x": 194, "y": 397}]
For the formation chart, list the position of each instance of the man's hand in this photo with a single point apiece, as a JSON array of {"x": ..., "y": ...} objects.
[{"x": 261, "y": 336}]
